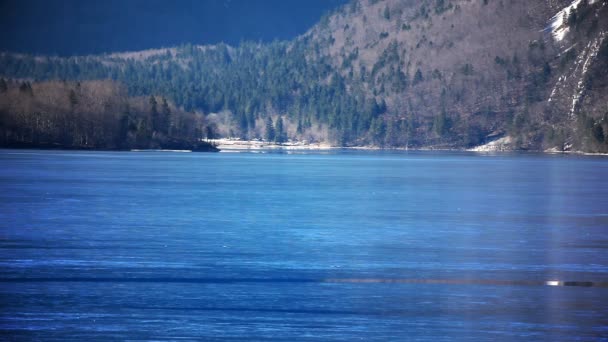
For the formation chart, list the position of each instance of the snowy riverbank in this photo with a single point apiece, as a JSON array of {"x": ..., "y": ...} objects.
[
  {"x": 226, "y": 144},
  {"x": 504, "y": 144}
]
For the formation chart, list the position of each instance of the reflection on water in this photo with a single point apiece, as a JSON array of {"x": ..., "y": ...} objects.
[{"x": 343, "y": 245}]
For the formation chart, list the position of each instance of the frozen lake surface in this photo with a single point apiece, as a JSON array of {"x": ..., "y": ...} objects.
[{"x": 322, "y": 246}]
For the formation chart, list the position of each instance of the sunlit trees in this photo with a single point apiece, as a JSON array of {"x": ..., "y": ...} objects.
[{"x": 93, "y": 115}]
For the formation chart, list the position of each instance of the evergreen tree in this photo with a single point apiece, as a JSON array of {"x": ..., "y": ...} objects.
[
  {"x": 209, "y": 132},
  {"x": 73, "y": 98},
  {"x": 279, "y": 131},
  {"x": 598, "y": 133},
  {"x": 153, "y": 106},
  {"x": 378, "y": 131},
  {"x": 391, "y": 134},
  {"x": 382, "y": 106},
  {"x": 154, "y": 115},
  {"x": 387, "y": 13},
  {"x": 165, "y": 117},
  {"x": 26, "y": 88},
  {"x": 242, "y": 124},
  {"x": 418, "y": 77},
  {"x": 3, "y": 85},
  {"x": 440, "y": 124},
  {"x": 270, "y": 134},
  {"x": 122, "y": 138}
]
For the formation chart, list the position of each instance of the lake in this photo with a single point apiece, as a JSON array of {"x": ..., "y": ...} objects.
[{"x": 340, "y": 245}]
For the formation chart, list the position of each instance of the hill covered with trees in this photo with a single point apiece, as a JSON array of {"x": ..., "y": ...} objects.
[
  {"x": 93, "y": 115},
  {"x": 433, "y": 73}
]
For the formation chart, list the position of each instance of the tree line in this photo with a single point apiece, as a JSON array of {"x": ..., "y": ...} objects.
[{"x": 94, "y": 115}]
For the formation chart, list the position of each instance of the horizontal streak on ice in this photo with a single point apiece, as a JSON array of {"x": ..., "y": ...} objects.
[{"x": 311, "y": 280}]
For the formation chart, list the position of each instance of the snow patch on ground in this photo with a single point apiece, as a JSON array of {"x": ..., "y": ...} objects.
[
  {"x": 554, "y": 150},
  {"x": 502, "y": 144},
  {"x": 229, "y": 145},
  {"x": 589, "y": 55},
  {"x": 558, "y": 26}
]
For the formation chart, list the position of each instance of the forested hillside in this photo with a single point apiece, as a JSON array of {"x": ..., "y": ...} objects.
[
  {"x": 433, "y": 73},
  {"x": 94, "y": 115}
]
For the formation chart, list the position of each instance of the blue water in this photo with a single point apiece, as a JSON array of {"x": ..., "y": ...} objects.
[{"x": 336, "y": 246}]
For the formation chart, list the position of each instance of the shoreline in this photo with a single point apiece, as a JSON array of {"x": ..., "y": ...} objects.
[
  {"x": 225, "y": 144},
  {"x": 258, "y": 146},
  {"x": 228, "y": 145}
]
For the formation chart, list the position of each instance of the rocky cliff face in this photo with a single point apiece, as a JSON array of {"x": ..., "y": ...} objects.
[
  {"x": 578, "y": 97},
  {"x": 534, "y": 70}
]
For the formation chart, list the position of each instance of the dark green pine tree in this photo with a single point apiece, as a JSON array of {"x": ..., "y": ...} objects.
[
  {"x": 73, "y": 98},
  {"x": 391, "y": 134},
  {"x": 3, "y": 86},
  {"x": 387, "y": 13},
  {"x": 269, "y": 130},
  {"x": 243, "y": 124},
  {"x": 209, "y": 132},
  {"x": 26, "y": 88},
  {"x": 440, "y": 124},
  {"x": 153, "y": 105},
  {"x": 418, "y": 77},
  {"x": 154, "y": 115},
  {"x": 598, "y": 133},
  {"x": 122, "y": 137},
  {"x": 279, "y": 135},
  {"x": 165, "y": 117}
]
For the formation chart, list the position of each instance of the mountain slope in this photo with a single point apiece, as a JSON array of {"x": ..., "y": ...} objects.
[
  {"x": 433, "y": 73},
  {"x": 490, "y": 67}
]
